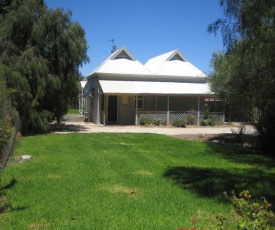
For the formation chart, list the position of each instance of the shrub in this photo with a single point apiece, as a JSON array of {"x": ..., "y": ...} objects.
[
  {"x": 252, "y": 214},
  {"x": 156, "y": 122},
  {"x": 208, "y": 122},
  {"x": 192, "y": 117},
  {"x": 144, "y": 121},
  {"x": 179, "y": 123},
  {"x": 204, "y": 123}
]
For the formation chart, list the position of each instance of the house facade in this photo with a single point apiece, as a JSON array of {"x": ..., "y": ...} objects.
[{"x": 168, "y": 87}]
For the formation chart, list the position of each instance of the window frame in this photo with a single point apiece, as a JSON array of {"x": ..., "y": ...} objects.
[{"x": 142, "y": 98}]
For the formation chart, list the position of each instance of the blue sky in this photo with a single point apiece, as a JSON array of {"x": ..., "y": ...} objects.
[{"x": 146, "y": 27}]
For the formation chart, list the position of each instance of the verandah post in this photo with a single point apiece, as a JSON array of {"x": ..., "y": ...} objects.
[
  {"x": 198, "y": 123},
  {"x": 136, "y": 120}
]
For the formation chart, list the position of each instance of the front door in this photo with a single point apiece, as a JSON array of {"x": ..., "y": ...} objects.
[{"x": 112, "y": 109}]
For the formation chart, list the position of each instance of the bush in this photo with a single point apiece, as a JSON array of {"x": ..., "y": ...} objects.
[
  {"x": 179, "y": 123},
  {"x": 208, "y": 122},
  {"x": 144, "y": 121},
  {"x": 156, "y": 122},
  {"x": 252, "y": 214},
  {"x": 192, "y": 117}
]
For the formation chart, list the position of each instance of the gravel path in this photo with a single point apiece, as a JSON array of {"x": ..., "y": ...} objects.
[{"x": 75, "y": 123}]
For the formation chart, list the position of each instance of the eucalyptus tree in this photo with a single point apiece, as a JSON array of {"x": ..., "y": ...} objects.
[
  {"x": 244, "y": 74},
  {"x": 45, "y": 48}
]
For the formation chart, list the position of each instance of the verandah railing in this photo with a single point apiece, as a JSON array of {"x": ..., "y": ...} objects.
[{"x": 190, "y": 117}]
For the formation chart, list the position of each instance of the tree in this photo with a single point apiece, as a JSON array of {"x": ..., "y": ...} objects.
[
  {"x": 5, "y": 6},
  {"x": 45, "y": 48},
  {"x": 9, "y": 121},
  {"x": 244, "y": 74}
]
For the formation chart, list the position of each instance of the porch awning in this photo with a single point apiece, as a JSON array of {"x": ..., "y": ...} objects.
[{"x": 149, "y": 87}]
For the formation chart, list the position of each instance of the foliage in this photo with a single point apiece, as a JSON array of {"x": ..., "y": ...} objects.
[
  {"x": 156, "y": 122},
  {"x": 179, "y": 123},
  {"x": 192, "y": 117},
  {"x": 5, "y": 122},
  {"x": 207, "y": 119},
  {"x": 244, "y": 75},
  {"x": 252, "y": 214},
  {"x": 206, "y": 122},
  {"x": 5, "y": 6},
  {"x": 42, "y": 50},
  {"x": 9, "y": 122},
  {"x": 144, "y": 121}
]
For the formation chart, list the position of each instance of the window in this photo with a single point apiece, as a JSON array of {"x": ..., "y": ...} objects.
[
  {"x": 150, "y": 102},
  {"x": 139, "y": 102},
  {"x": 145, "y": 102}
]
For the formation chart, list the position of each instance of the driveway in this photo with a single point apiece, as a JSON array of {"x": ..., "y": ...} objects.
[{"x": 75, "y": 123}]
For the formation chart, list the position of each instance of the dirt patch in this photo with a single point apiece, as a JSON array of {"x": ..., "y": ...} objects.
[
  {"x": 197, "y": 137},
  {"x": 226, "y": 138}
]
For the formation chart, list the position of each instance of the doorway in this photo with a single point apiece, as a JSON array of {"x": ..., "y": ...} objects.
[{"x": 112, "y": 109}]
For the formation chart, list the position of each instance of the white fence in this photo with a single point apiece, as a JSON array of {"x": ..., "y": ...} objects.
[{"x": 189, "y": 117}]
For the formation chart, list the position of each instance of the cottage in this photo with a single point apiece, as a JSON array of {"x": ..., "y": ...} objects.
[{"x": 168, "y": 87}]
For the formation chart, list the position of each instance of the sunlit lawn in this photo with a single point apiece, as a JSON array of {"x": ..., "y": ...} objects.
[
  {"x": 73, "y": 111},
  {"x": 127, "y": 181}
]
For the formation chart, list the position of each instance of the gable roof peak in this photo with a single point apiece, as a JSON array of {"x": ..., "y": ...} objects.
[
  {"x": 123, "y": 52},
  {"x": 176, "y": 55}
]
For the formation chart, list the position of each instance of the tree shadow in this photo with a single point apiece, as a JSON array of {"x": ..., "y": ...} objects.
[
  {"x": 9, "y": 185},
  {"x": 67, "y": 128},
  {"x": 211, "y": 183},
  {"x": 5, "y": 205},
  {"x": 239, "y": 154}
]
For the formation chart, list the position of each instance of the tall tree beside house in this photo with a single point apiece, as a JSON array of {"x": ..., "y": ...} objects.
[
  {"x": 9, "y": 120},
  {"x": 5, "y": 6},
  {"x": 45, "y": 48},
  {"x": 244, "y": 74}
]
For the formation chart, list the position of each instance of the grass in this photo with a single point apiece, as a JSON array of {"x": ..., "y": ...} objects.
[
  {"x": 126, "y": 181},
  {"x": 73, "y": 111}
]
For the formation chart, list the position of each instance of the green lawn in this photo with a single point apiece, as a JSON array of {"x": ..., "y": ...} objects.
[
  {"x": 127, "y": 181},
  {"x": 73, "y": 111}
]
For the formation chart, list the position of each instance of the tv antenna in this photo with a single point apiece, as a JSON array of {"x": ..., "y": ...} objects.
[{"x": 113, "y": 45}]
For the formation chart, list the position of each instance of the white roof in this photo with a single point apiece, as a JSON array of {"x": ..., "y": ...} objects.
[
  {"x": 149, "y": 87},
  {"x": 173, "y": 63},
  {"x": 122, "y": 62}
]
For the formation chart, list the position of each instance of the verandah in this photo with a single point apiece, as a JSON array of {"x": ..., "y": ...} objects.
[{"x": 191, "y": 117}]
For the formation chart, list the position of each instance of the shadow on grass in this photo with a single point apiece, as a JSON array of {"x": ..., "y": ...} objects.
[
  {"x": 243, "y": 155},
  {"x": 67, "y": 128},
  {"x": 211, "y": 183},
  {"x": 76, "y": 118},
  {"x": 5, "y": 206},
  {"x": 9, "y": 185}
]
